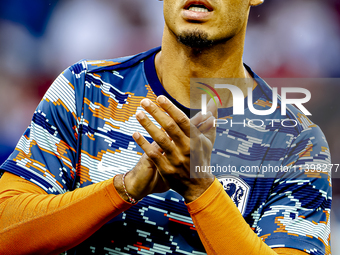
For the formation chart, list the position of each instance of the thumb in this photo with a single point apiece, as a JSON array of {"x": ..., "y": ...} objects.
[{"x": 212, "y": 106}]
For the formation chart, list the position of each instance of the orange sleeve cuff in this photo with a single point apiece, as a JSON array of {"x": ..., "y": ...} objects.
[
  {"x": 116, "y": 199},
  {"x": 206, "y": 198},
  {"x": 33, "y": 222},
  {"x": 221, "y": 227}
]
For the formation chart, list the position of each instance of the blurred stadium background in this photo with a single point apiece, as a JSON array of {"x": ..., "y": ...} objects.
[{"x": 285, "y": 39}]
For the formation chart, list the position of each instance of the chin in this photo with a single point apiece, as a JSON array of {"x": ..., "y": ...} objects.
[{"x": 195, "y": 39}]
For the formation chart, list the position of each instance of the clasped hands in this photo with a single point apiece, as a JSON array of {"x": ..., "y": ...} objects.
[{"x": 183, "y": 143}]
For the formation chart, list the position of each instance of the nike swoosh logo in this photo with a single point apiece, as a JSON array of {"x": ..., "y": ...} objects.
[{"x": 102, "y": 168}]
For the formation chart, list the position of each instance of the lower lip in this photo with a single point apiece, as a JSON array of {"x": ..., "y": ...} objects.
[{"x": 196, "y": 16}]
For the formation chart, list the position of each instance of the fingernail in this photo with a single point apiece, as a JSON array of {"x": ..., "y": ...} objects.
[
  {"x": 136, "y": 135},
  {"x": 161, "y": 99},
  {"x": 140, "y": 115},
  {"x": 145, "y": 102}
]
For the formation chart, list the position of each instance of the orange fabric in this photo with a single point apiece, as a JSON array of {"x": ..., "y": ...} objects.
[
  {"x": 33, "y": 222},
  {"x": 230, "y": 233},
  {"x": 288, "y": 251}
]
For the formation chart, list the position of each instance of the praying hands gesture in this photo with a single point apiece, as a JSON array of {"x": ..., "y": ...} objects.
[{"x": 185, "y": 144}]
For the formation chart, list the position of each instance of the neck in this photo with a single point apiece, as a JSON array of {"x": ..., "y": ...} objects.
[{"x": 177, "y": 63}]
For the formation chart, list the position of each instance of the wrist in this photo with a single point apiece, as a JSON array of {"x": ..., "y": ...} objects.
[
  {"x": 131, "y": 185},
  {"x": 131, "y": 195},
  {"x": 118, "y": 183},
  {"x": 195, "y": 191},
  {"x": 124, "y": 186}
]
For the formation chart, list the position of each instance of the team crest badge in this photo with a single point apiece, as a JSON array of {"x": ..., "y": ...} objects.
[{"x": 237, "y": 189}]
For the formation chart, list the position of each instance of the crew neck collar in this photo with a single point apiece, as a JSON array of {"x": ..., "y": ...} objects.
[{"x": 158, "y": 89}]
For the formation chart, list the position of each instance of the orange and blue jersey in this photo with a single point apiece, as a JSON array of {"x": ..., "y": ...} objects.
[{"x": 81, "y": 133}]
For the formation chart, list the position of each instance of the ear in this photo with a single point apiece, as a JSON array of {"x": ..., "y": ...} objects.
[{"x": 255, "y": 2}]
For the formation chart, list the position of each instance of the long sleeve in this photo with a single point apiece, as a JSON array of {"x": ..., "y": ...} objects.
[
  {"x": 222, "y": 228},
  {"x": 33, "y": 222}
]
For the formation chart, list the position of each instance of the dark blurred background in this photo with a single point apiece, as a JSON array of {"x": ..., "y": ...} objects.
[{"x": 285, "y": 39}]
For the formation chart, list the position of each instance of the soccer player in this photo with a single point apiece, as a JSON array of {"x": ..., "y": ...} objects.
[{"x": 109, "y": 133}]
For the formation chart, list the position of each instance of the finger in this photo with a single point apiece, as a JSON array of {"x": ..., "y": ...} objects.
[
  {"x": 167, "y": 122},
  {"x": 212, "y": 107},
  {"x": 206, "y": 116},
  {"x": 157, "y": 146},
  {"x": 199, "y": 118},
  {"x": 158, "y": 135},
  {"x": 210, "y": 130},
  {"x": 150, "y": 150},
  {"x": 176, "y": 114},
  {"x": 205, "y": 126}
]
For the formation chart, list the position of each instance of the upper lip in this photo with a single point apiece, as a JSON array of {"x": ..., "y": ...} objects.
[{"x": 205, "y": 3}]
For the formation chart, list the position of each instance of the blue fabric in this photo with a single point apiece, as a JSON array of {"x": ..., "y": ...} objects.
[{"x": 87, "y": 117}]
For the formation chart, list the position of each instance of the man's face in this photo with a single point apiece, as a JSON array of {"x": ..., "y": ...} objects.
[{"x": 210, "y": 21}]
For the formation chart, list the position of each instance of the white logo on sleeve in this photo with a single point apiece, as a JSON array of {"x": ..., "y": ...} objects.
[{"x": 237, "y": 189}]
